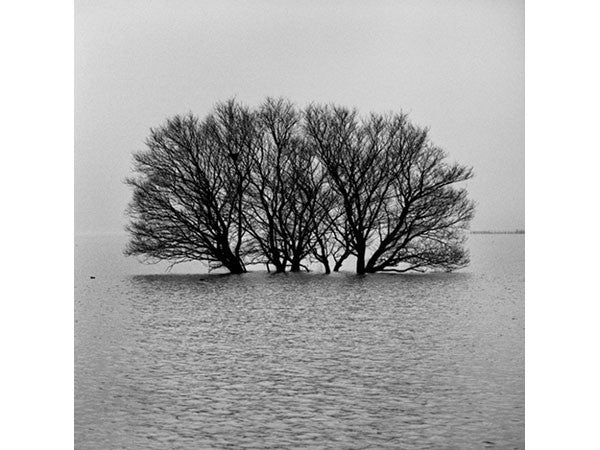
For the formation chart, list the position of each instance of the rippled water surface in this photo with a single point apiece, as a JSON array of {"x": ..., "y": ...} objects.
[{"x": 300, "y": 360}]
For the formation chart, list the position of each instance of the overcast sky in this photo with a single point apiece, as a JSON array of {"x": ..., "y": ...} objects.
[{"x": 454, "y": 66}]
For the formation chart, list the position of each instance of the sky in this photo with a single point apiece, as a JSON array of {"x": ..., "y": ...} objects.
[{"x": 455, "y": 66}]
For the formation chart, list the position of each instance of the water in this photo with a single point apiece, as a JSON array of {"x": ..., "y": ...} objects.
[{"x": 299, "y": 360}]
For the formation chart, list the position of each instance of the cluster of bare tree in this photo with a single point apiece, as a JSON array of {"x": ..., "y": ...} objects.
[{"x": 286, "y": 187}]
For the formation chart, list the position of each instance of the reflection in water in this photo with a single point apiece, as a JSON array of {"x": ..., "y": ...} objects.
[{"x": 295, "y": 361}]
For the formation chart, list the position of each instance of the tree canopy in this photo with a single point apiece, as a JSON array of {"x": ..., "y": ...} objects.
[{"x": 285, "y": 187}]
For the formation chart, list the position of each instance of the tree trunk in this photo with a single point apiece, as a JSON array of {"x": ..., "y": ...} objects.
[
  {"x": 232, "y": 262},
  {"x": 360, "y": 259},
  {"x": 340, "y": 262},
  {"x": 279, "y": 268},
  {"x": 235, "y": 267},
  {"x": 360, "y": 264},
  {"x": 295, "y": 265},
  {"x": 325, "y": 263}
]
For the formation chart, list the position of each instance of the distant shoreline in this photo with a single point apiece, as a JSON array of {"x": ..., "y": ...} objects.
[{"x": 498, "y": 232}]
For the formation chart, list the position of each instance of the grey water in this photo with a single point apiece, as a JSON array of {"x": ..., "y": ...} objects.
[{"x": 195, "y": 361}]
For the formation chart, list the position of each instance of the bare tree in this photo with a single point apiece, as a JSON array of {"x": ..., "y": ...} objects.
[
  {"x": 401, "y": 211},
  {"x": 283, "y": 187},
  {"x": 331, "y": 230},
  {"x": 286, "y": 183},
  {"x": 188, "y": 191}
]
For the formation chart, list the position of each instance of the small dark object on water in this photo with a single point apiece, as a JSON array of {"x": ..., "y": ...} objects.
[{"x": 93, "y": 278}]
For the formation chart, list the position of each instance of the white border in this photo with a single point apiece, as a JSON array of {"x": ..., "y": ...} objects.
[
  {"x": 37, "y": 224},
  {"x": 562, "y": 313}
]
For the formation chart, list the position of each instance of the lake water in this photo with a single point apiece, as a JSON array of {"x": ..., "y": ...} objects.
[{"x": 168, "y": 361}]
